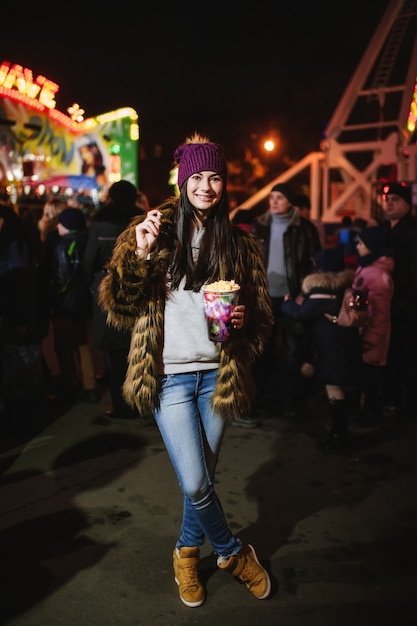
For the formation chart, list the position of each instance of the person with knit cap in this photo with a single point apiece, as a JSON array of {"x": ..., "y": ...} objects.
[
  {"x": 400, "y": 373},
  {"x": 288, "y": 242},
  {"x": 71, "y": 308},
  {"x": 115, "y": 214},
  {"x": 374, "y": 277},
  {"x": 336, "y": 349},
  {"x": 193, "y": 386}
]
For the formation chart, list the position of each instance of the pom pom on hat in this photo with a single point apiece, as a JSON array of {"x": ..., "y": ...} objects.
[
  {"x": 329, "y": 260},
  {"x": 286, "y": 190},
  {"x": 199, "y": 154},
  {"x": 398, "y": 189},
  {"x": 73, "y": 219}
]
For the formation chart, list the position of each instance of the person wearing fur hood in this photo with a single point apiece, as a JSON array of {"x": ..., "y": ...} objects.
[
  {"x": 336, "y": 349},
  {"x": 191, "y": 385}
]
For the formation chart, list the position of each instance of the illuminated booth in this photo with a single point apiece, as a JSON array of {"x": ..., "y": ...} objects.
[{"x": 43, "y": 150}]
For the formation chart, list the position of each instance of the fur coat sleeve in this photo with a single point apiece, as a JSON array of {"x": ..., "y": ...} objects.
[{"x": 133, "y": 294}]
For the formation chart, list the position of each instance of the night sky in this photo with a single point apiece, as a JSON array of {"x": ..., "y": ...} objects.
[{"x": 223, "y": 68}]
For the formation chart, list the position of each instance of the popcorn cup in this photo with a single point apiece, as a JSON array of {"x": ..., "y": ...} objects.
[{"x": 219, "y": 307}]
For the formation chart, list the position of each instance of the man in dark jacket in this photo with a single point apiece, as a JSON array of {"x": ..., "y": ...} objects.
[
  {"x": 71, "y": 308},
  {"x": 289, "y": 243},
  {"x": 107, "y": 224},
  {"x": 401, "y": 369}
]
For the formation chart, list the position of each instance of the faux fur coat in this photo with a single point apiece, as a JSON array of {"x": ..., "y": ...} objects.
[{"x": 133, "y": 293}]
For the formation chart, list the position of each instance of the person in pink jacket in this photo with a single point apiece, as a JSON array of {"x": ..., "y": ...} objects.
[{"x": 374, "y": 276}]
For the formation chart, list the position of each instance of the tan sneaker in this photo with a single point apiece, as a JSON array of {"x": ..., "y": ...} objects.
[
  {"x": 246, "y": 567},
  {"x": 185, "y": 563}
]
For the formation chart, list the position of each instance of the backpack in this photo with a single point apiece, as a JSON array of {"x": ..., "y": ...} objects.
[
  {"x": 70, "y": 290},
  {"x": 353, "y": 311}
]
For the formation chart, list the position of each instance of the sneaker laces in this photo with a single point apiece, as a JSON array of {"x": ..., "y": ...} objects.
[
  {"x": 189, "y": 576},
  {"x": 246, "y": 574}
]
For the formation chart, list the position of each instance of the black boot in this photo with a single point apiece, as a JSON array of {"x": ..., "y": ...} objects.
[{"x": 338, "y": 438}]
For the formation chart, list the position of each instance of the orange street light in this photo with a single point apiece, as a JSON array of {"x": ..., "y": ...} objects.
[{"x": 269, "y": 145}]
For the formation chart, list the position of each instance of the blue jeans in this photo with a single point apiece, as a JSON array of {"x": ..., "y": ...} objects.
[{"x": 192, "y": 433}]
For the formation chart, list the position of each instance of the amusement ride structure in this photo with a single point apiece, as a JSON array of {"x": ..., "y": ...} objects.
[{"x": 371, "y": 137}]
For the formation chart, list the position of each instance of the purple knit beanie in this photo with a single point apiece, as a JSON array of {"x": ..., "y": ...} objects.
[{"x": 199, "y": 154}]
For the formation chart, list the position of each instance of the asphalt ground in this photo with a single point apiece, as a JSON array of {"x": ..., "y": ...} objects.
[{"x": 90, "y": 510}]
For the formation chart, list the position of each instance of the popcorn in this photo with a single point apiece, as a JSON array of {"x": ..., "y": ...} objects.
[
  {"x": 220, "y": 299},
  {"x": 222, "y": 285}
]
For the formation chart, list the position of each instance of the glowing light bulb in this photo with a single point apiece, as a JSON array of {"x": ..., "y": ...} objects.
[{"x": 76, "y": 113}]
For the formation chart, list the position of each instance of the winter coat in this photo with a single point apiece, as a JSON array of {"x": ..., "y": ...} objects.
[
  {"x": 18, "y": 320},
  {"x": 337, "y": 350},
  {"x": 301, "y": 242},
  {"x": 376, "y": 281},
  {"x": 403, "y": 240},
  {"x": 14, "y": 266},
  {"x": 133, "y": 294},
  {"x": 17, "y": 297},
  {"x": 104, "y": 229}
]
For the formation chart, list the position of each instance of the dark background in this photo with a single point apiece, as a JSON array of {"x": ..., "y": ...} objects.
[{"x": 233, "y": 71}]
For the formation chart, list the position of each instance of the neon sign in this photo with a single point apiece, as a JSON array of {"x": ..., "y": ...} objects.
[
  {"x": 55, "y": 143},
  {"x": 15, "y": 77}
]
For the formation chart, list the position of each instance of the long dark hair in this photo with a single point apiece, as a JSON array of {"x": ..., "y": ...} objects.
[{"x": 216, "y": 255}]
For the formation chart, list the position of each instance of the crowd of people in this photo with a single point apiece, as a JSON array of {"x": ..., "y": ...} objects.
[
  {"x": 367, "y": 372},
  {"x": 137, "y": 274},
  {"x": 50, "y": 266},
  {"x": 57, "y": 264}
]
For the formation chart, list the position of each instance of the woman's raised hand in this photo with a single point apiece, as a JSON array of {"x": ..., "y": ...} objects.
[{"x": 147, "y": 231}]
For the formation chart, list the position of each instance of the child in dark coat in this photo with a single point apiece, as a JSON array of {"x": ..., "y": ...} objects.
[{"x": 336, "y": 350}]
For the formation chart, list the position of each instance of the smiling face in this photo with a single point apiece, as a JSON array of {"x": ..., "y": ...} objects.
[{"x": 204, "y": 191}]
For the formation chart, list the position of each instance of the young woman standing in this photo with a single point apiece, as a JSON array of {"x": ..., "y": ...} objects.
[{"x": 192, "y": 385}]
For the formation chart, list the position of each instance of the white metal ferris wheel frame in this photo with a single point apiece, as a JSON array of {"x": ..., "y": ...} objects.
[{"x": 388, "y": 140}]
